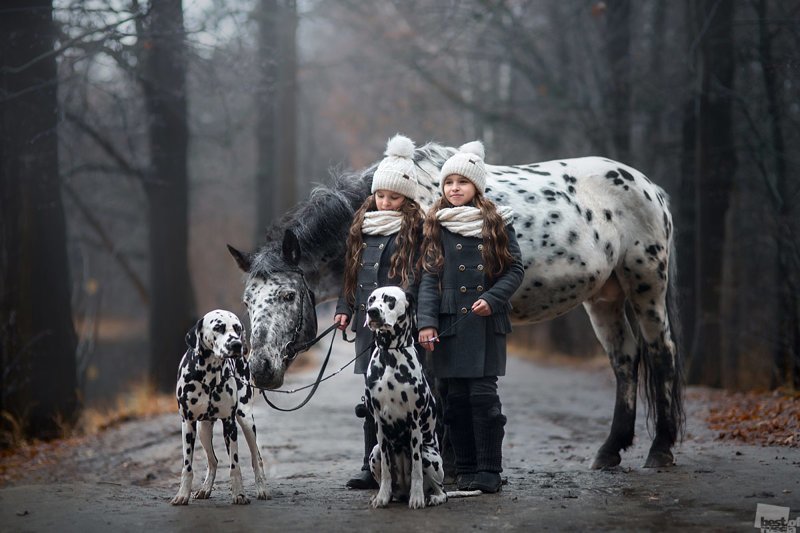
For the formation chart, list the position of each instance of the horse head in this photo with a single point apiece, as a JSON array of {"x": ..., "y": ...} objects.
[{"x": 280, "y": 306}]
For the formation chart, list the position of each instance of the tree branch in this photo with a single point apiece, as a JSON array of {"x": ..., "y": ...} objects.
[{"x": 108, "y": 243}]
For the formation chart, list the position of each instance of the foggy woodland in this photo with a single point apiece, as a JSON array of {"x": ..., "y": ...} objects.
[{"x": 140, "y": 137}]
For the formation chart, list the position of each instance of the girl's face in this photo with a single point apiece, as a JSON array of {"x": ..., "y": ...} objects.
[
  {"x": 459, "y": 190},
  {"x": 388, "y": 200}
]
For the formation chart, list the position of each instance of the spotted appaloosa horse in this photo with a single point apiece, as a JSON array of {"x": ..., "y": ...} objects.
[{"x": 592, "y": 231}]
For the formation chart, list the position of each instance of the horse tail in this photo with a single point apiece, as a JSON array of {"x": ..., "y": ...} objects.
[
  {"x": 677, "y": 412},
  {"x": 653, "y": 378}
]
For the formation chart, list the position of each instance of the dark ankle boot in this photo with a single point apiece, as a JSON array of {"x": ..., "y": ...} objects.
[
  {"x": 488, "y": 422},
  {"x": 458, "y": 417},
  {"x": 364, "y": 480}
]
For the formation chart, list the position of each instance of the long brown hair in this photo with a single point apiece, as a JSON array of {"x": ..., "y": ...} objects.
[
  {"x": 496, "y": 255},
  {"x": 402, "y": 261}
]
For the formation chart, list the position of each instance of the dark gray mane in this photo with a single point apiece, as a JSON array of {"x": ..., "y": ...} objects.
[{"x": 320, "y": 222}]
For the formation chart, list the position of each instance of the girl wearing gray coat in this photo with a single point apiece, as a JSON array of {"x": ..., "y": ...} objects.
[
  {"x": 472, "y": 266},
  {"x": 382, "y": 249}
]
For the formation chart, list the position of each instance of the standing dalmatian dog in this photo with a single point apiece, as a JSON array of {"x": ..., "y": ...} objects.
[
  {"x": 406, "y": 461},
  {"x": 214, "y": 384}
]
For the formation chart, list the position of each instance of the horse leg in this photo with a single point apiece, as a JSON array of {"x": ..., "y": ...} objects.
[
  {"x": 662, "y": 377},
  {"x": 607, "y": 312}
]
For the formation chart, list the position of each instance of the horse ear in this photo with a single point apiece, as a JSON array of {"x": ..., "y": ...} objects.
[
  {"x": 291, "y": 248},
  {"x": 242, "y": 259},
  {"x": 192, "y": 334}
]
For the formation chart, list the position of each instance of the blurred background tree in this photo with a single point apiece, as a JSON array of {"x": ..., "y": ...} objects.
[{"x": 183, "y": 126}]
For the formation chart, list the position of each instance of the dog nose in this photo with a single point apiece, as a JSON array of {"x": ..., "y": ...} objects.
[
  {"x": 374, "y": 312},
  {"x": 236, "y": 346}
]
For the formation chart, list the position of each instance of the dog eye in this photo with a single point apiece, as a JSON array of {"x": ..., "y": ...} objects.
[{"x": 219, "y": 328}]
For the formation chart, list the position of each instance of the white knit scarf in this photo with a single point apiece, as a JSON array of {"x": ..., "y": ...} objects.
[
  {"x": 467, "y": 220},
  {"x": 382, "y": 222}
]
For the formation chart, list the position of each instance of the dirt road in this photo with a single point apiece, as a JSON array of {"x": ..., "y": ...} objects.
[{"x": 557, "y": 418}]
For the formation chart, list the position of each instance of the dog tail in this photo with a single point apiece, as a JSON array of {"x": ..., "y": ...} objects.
[{"x": 463, "y": 493}]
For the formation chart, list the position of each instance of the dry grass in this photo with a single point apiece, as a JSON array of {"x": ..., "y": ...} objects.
[{"x": 140, "y": 401}]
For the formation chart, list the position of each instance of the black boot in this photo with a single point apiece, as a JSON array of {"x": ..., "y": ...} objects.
[
  {"x": 458, "y": 417},
  {"x": 488, "y": 422},
  {"x": 364, "y": 480}
]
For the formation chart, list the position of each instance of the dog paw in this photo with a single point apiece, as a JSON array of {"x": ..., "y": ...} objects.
[
  {"x": 241, "y": 499},
  {"x": 437, "y": 499},
  {"x": 263, "y": 494},
  {"x": 202, "y": 494},
  {"x": 416, "y": 501},
  {"x": 379, "y": 501},
  {"x": 180, "y": 499}
]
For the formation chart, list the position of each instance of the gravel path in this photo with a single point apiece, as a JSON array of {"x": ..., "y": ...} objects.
[{"x": 557, "y": 418}]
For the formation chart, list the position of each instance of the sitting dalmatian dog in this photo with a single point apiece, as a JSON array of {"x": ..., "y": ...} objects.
[
  {"x": 406, "y": 461},
  {"x": 214, "y": 384}
]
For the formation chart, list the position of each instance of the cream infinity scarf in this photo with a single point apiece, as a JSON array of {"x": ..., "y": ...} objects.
[
  {"x": 382, "y": 222},
  {"x": 467, "y": 220}
]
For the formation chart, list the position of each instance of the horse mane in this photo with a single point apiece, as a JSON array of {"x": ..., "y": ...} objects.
[{"x": 321, "y": 221}]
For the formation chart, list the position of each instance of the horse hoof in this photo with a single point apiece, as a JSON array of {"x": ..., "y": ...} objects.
[
  {"x": 659, "y": 459},
  {"x": 606, "y": 460}
]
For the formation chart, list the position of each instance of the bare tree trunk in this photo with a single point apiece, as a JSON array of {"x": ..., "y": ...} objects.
[
  {"x": 786, "y": 367},
  {"x": 38, "y": 337},
  {"x": 286, "y": 145},
  {"x": 267, "y": 13},
  {"x": 715, "y": 160},
  {"x": 618, "y": 31},
  {"x": 171, "y": 296}
]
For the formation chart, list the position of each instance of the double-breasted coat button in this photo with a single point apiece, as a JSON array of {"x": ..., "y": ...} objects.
[
  {"x": 363, "y": 245},
  {"x": 461, "y": 268},
  {"x": 375, "y": 266},
  {"x": 463, "y": 289},
  {"x": 380, "y": 246},
  {"x": 374, "y": 283},
  {"x": 480, "y": 247},
  {"x": 480, "y": 288},
  {"x": 458, "y": 246},
  {"x": 463, "y": 310},
  {"x": 480, "y": 267},
  {"x": 362, "y": 307}
]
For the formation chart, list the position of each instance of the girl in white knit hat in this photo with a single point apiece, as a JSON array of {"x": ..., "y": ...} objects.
[
  {"x": 472, "y": 266},
  {"x": 382, "y": 249}
]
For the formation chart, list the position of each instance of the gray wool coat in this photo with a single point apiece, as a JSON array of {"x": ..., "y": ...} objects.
[
  {"x": 375, "y": 262},
  {"x": 476, "y": 346}
]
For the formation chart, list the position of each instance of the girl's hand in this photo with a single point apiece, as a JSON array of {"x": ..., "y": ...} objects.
[
  {"x": 481, "y": 307},
  {"x": 427, "y": 336},
  {"x": 342, "y": 320}
]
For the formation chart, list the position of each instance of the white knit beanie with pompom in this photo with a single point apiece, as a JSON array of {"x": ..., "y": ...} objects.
[
  {"x": 397, "y": 172},
  {"x": 467, "y": 162}
]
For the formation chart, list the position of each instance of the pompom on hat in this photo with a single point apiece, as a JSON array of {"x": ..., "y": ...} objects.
[
  {"x": 467, "y": 162},
  {"x": 397, "y": 172}
]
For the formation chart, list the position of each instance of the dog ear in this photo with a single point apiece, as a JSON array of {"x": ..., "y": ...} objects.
[
  {"x": 411, "y": 300},
  {"x": 193, "y": 334},
  {"x": 245, "y": 346}
]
